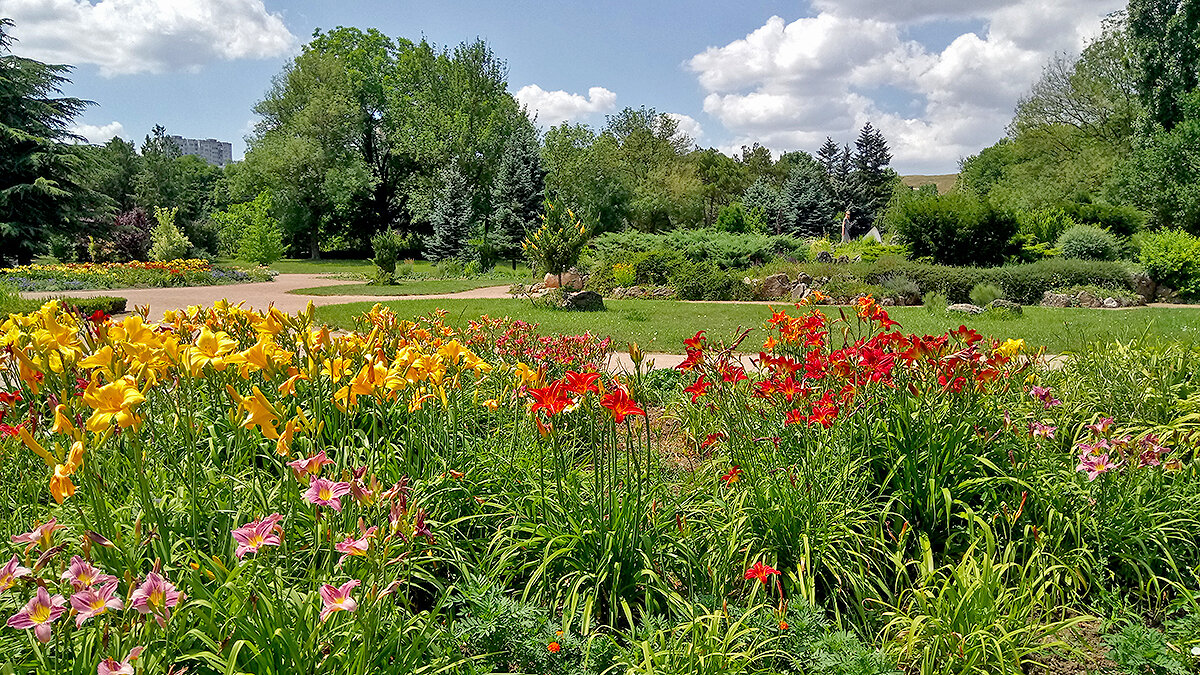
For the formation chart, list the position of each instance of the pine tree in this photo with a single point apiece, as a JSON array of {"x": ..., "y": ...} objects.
[
  {"x": 808, "y": 206},
  {"x": 828, "y": 156},
  {"x": 517, "y": 193},
  {"x": 451, "y": 218},
  {"x": 873, "y": 181},
  {"x": 762, "y": 202},
  {"x": 41, "y": 189}
]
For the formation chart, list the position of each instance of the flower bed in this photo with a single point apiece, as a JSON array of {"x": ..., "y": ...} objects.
[
  {"x": 232, "y": 491},
  {"x": 86, "y": 276}
]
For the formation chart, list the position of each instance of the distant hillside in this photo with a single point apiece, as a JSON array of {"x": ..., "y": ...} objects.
[{"x": 943, "y": 182}]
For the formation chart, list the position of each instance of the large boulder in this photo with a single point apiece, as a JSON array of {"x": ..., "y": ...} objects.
[
  {"x": 800, "y": 291},
  {"x": 570, "y": 279},
  {"x": 584, "y": 301},
  {"x": 1165, "y": 294},
  {"x": 1111, "y": 303},
  {"x": 1144, "y": 286},
  {"x": 965, "y": 308},
  {"x": 1006, "y": 305},
  {"x": 1051, "y": 299},
  {"x": 803, "y": 278},
  {"x": 824, "y": 257},
  {"x": 776, "y": 286}
]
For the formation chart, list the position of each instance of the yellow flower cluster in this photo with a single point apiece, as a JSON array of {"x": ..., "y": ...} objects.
[
  {"x": 276, "y": 369},
  {"x": 109, "y": 269}
]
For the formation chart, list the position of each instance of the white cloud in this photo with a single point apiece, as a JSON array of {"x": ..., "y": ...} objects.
[
  {"x": 98, "y": 134},
  {"x": 125, "y": 37},
  {"x": 688, "y": 126},
  {"x": 554, "y": 107},
  {"x": 788, "y": 85}
]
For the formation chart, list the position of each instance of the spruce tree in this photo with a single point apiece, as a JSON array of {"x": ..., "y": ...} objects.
[
  {"x": 873, "y": 181},
  {"x": 761, "y": 200},
  {"x": 41, "y": 176},
  {"x": 451, "y": 218},
  {"x": 808, "y": 207},
  {"x": 517, "y": 193}
]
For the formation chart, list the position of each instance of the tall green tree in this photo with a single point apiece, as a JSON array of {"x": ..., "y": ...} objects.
[
  {"x": 42, "y": 188},
  {"x": 517, "y": 193},
  {"x": 584, "y": 173},
  {"x": 453, "y": 217},
  {"x": 112, "y": 171},
  {"x": 764, "y": 205},
  {"x": 873, "y": 181},
  {"x": 806, "y": 203},
  {"x": 722, "y": 179},
  {"x": 1166, "y": 38}
]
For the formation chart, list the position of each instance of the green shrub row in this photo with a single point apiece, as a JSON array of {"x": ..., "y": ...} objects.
[{"x": 723, "y": 249}]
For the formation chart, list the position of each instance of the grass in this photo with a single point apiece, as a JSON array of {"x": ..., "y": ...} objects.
[
  {"x": 306, "y": 266},
  {"x": 415, "y": 287},
  {"x": 661, "y": 325}
]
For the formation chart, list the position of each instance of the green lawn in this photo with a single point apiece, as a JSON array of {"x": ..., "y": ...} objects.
[
  {"x": 661, "y": 325},
  {"x": 307, "y": 266},
  {"x": 415, "y": 287}
]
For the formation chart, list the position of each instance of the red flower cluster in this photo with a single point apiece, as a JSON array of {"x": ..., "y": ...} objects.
[
  {"x": 514, "y": 340},
  {"x": 573, "y": 387}
]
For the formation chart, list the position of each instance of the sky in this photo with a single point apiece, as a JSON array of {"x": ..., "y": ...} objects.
[{"x": 940, "y": 78}]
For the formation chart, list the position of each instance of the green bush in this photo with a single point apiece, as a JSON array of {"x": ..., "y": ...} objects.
[
  {"x": 732, "y": 218},
  {"x": 1044, "y": 225},
  {"x": 387, "y": 246},
  {"x": 934, "y": 302},
  {"x": 705, "y": 281},
  {"x": 900, "y": 287},
  {"x": 983, "y": 294},
  {"x": 1138, "y": 649},
  {"x": 1024, "y": 284},
  {"x": 952, "y": 229},
  {"x": 724, "y": 249},
  {"x": 624, "y": 274},
  {"x": 1088, "y": 242},
  {"x": 108, "y": 304},
  {"x": 1122, "y": 221},
  {"x": 168, "y": 242},
  {"x": 1172, "y": 258},
  {"x": 259, "y": 236}
]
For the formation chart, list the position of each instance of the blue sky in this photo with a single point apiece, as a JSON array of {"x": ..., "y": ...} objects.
[{"x": 940, "y": 77}]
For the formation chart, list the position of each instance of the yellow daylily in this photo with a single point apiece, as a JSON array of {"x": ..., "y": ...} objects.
[{"x": 113, "y": 403}]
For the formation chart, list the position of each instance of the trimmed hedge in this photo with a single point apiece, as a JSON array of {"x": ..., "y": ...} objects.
[
  {"x": 86, "y": 306},
  {"x": 723, "y": 249}
]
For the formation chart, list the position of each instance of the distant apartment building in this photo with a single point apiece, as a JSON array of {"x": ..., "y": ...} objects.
[{"x": 210, "y": 150}]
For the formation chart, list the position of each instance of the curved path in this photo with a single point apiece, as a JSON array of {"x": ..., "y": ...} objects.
[{"x": 259, "y": 295}]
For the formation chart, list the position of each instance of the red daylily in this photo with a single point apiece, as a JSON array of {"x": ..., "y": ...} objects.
[
  {"x": 700, "y": 388},
  {"x": 761, "y": 572},
  {"x": 621, "y": 404}
]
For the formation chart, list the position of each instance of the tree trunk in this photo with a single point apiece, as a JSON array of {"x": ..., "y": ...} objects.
[{"x": 314, "y": 246}]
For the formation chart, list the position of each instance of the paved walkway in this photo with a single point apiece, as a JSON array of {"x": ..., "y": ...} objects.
[{"x": 260, "y": 295}]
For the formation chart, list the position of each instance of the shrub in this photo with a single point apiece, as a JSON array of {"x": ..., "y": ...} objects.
[
  {"x": 558, "y": 243},
  {"x": 1088, "y": 242},
  {"x": 704, "y": 281},
  {"x": 1024, "y": 284},
  {"x": 952, "y": 229},
  {"x": 1138, "y": 649},
  {"x": 1172, "y": 257},
  {"x": 732, "y": 218},
  {"x": 900, "y": 287},
  {"x": 168, "y": 242},
  {"x": 983, "y": 294},
  {"x": 934, "y": 302},
  {"x": 130, "y": 236},
  {"x": 724, "y": 249},
  {"x": 450, "y": 269},
  {"x": 623, "y": 274},
  {"x": 1044, "y": 225},
  {"x": 386, "y": 246},
  {"x": 1123, "y": 221},
  {"x": 260, "y": 238}
]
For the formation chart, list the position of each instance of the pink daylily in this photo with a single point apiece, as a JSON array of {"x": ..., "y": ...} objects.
[
  {"x": 337, "y": 599},
  {"x": 1094, "y": 465},
  {"x": 1101, "y": 426},
  {"x": 82, "y": 574},
  {"x": 156, "y": 596},
  {"x": 41, "y": 536},
  {"x": 252, "y": 536},
  {"x": 94, "y": 602},
  {"x": 41, "y": 611},
  {"x": 309, "y": 466},
  {"x": 351, "y": 546},
  {"x": 1040, "y": 430},
  {"x": 1043, "y": 394},
  {"x": 123, "y": 667},
  {"x": 12, "y": 571},
  {"x": 323, "y": 492}
]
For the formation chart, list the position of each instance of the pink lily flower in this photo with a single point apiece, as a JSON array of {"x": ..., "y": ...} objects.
[
  {"x": 41, "y": 611},
  {"x": 82, "y": 574},
  {"x": 323, "y": 492},
  {"x": 1094, "y": 465},
  {"x": 41, "y": 536},
  {"x": 1101, "y": 426},
  {"x": 92, "y": 602},
  {"x": 351, "y": 546},
  {"x": 12, "y": 571},
  {"x": 253, "y": 536},
  {"x": 1043, "y": 394},
  {"x": 124, "y": 667},
  {"x": 156, "y": 596},
  {"x": 309, "y": 466},
  {"x": 337, "y": 599},
  {"x": 1040, "y": 430}
]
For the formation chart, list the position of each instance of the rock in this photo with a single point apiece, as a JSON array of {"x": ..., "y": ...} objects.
[
  {"x": 887, "y": 302},
  {"x": 965, "y": 308},
  {"x": 662, "y": 292},
  {"x": 800, "y": 291},
  {"x": 1111, "y": 303},
  {"x": 635, "y": 292},
  {"x": 776, "y": 286},
  {"x": 1165, "y": 294},
  {"x": 1051, "y": 299},
  {"x": 570, "y": 279},
  {"x": 803, "y": 278},
  {"x": 1087, "y": 299},
  {"x": 1144, "y": 286},
  {"x": 584, "y": 301},
  {"x": 842, "y": 260},
  {"x": 1006, "y": 305},
  {"x": 824, "y": 257}
]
